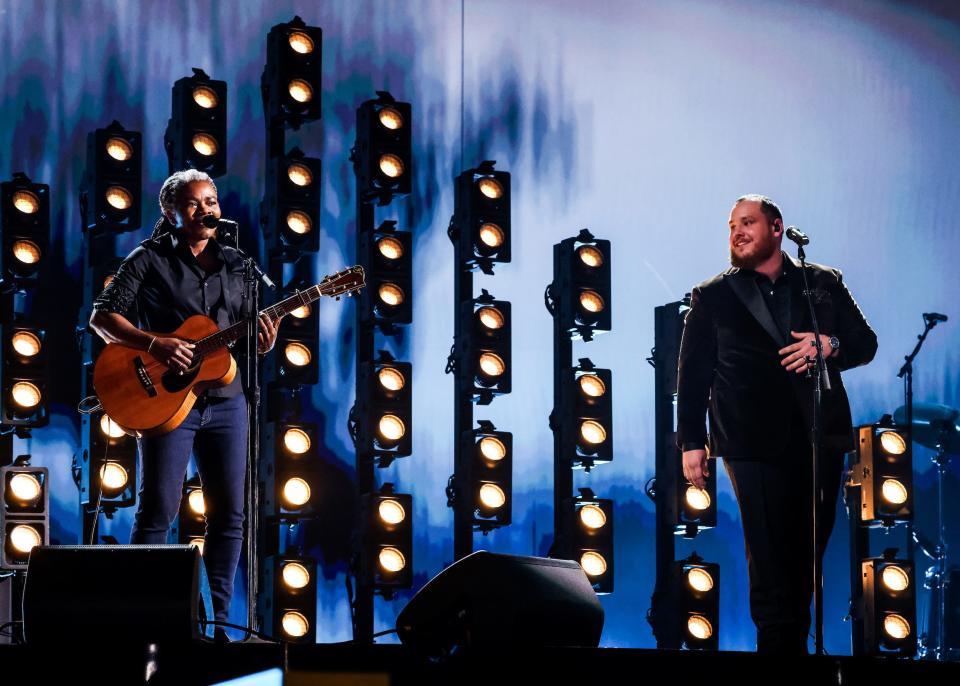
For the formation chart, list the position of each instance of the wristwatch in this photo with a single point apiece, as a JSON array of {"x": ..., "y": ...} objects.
[{"x": 834, "y": 345}]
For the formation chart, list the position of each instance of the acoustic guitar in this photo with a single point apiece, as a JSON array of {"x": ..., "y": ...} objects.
[{"x": 144, "y": 397}]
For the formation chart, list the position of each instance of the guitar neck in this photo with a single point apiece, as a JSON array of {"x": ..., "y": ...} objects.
[{"x": 231, "y": 333}]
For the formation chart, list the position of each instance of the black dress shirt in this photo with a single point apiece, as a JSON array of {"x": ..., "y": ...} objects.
[
  {"x": 162, "y": 282},
  {"x": 776, "y": 294}
]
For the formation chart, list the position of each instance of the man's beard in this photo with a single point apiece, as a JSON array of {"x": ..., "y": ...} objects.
[{"x": 752, "y": 261}]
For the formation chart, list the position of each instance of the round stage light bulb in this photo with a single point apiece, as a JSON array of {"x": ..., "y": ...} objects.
[
  {"x": 301, "y": 312},
  {"x": 300, "y": 90},
  {"x": 300, "y": 42},
  {"x": 699, "y": 627},
  {"x": 196, "y": 502},
  {"x": 297, "y": 354},
  {"x": 491, "y": 235},
  {"x": 390, "y": 248},
  {"x": 206, "y": 97},
  {"x": 119, "y": 149},
  {"x": 392, "y": 560},
  {"x": 391, "y": 427},
  {"x": 197, "y": 542},
  {"x": 391, "y": 379},
  {"x": 893, "y": 443},
  {"x": 593, "y": 432},
  {"x": 591, "y": 301},
  {"x": 592, "y": 517},
  {"x": 391, "y": 512},
  {"x": 26, "y": 343},
  {"x": 205, "y": 145},
  {"x": 590, "y": 256},
  {"x": 296, "y": 492},
  {"x": 297, "y": 441},
  {"x": 491, "y": 318},
  {"x": 492, "y": 448},
  {"x": 26, "y": 252},
  {"x": 894, "y": 492},
  {"x": 490, "y": 187},
  {"x": 700, "y": 579},
  {"x": 25, "y": 395},
  {"x": 492, "y": 496},
  {"x": 896, "y": 627},
  {"x": 592, "y": 385},
  {"x": 113, "y": 477},
  {"x": 110, "y": 428},
  {"x": 25, "y": 538},
  {"x": 697, "y": 498},
  {"x": 895, "y": 578},
  {"x": 390, "y": 118},
  {"x": 294, "y": 624},
  {"x": 26, "y": 202},
  {"x": 492, "y": 365},
  {"x": 391, "y": 166},
  {"x": 299, "y": 174},
  {"x": 299, "y": 222},
  {"x": 295, "y": 575},
  {"x": 25, "y": 487},
  {"x": 119, "y": 198},
  {"x": 390, "y": 294},
  {"x": 593, "y": 563}
]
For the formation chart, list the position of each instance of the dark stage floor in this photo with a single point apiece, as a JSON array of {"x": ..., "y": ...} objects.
[{"x": 109, "y": 663}]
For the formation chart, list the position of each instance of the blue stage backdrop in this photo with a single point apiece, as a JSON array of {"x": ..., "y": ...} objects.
[{"x": 640, "y": 121}]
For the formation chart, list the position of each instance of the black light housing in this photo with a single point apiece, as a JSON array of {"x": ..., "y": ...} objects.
[
  {"x": 482, "y": 216},
  {"x": 884, "y": 472},
  {"x": 385, "y": 424},
  {"x": 388, "y": 264},
  {"x": 191, "y": 523},
  {"x": 113, "y": 180},
  {"x": 387, "y": 557},
  {"x": 486, "y": 360},
  {"x": 696, "y": 588},
  {"x": 291, "y": 209},
  {"x": 23, "y": 375},
  {"x": 25, "y": 513},
  {"x": 489, "y": 475},
  {"x": 290, "y": 473},
  {"x": 291, "y": 80},
  {"x": 196, "y": 135},
  {"x": 288, "y": 605},
  {"x": 582, "y": 286},
  {"x": 590, "y": 521},
  {"x": 586, "y": 426},
  {"x": 383, "y": 155},
  {"x": 109, "y": 465},
  {"x": 889, "y": 606},
  {"x": 25, "y": 231}
]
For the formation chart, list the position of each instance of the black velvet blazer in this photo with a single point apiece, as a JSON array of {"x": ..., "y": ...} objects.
[{"x": 729, "y": 367}]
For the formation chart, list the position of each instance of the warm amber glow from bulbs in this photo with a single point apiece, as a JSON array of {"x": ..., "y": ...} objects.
[
  {"x": 26, "y": 343},
  {"x": 392, "y": 560},
  {"x": 196, "y": 502},
  {"x": 492, "y": 448},
  {"x": 299, "y": 174},
  {"x": 391, "y": 294},
  {"x": 113, "y": 477},
  {"x": 205, "y": 144},
  {"x": 491, "y": 318},
  {"x": 490, "y": 187},
  {"x": 300, "y": 42},
  {"x": 390, "y": 248},
  {"x": 26, "y": 252},
  {"x": 592, "y": 517},
  {"x": 895, "y": 578},
  {"x": 893, "y": 443},
  {"x": 391, "y": 427},
  {"x": 391, "y": 379},
  {"x": 590, "y": 256},
  {"x": 25, "y": 395},
  {"x": 896, "y": 627},
  {"x": 296, "y": 492},
  {"x": 492, "y": 496},
  {"x": 26, "y": 202},
  {"x": 592, "y": 385},
  {"x": 294, "y": 624},
  {"x": 593, "y": 563},
  {"x": 25, "y": 538},
  {"x": 894, "y": 492},
  {"x": 299, "y": 222},
  {"x": 390, "y": 118},
  {"x": 297, "y": 441},
  {"x": 391, "y": 512},
  {"x": 119, "y": 198},
  {"x": 109, "y": 427},
  {"x": 591, "y": 301},
  {"x": 297, "y": 354},
  {"x": 491, "y": 235},
  {"x": 697, "y": 498},
  {"x": 391, "y": 166},
  {"x": 699, "y": 579},
  {"x": 300, "y": 90},
  {"x": 119, "y": 149},
  {"x": 25, "y": 488},
  {"x": 593, "y": 432},
  {"x": 492, "y": 365},
  {"x": 699, "y": 627},
  {"x": 295, "y": 575},
  {"x": 206, "y": 97}
]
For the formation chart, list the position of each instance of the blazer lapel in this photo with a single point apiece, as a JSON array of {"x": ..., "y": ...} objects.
[
  {"x": 799, "y": 314},
  {"x": 745, "y": 288}
]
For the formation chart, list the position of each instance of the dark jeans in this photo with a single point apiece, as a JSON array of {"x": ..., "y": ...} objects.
[
  {"x": 774, "y": 496},
  {"x": 217, "y": 430}
]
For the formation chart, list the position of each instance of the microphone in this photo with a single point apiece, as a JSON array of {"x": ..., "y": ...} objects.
[
  {"x": 797, "y": 236},
  {"x": 212, "y": 222},
  {"x": 934, "y": 317}
]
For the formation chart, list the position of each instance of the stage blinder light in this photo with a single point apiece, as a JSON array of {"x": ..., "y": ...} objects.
[
  {"x": 383, "y": 151},
  {"x": 387, "y": 541},
  {"x": 884, "y": 472},
  {"x": 196, "y": 135}
]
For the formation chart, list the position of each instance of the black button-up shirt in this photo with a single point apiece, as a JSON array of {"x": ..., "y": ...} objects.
[
  {"x": 776, "y": 295},
  {"x": 165, "y": 284}
]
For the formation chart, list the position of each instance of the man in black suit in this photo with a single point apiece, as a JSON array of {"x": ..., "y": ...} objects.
[{"x": 744, "y": 358}]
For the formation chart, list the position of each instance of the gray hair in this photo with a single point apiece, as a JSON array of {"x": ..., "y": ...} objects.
[{"x": 175, "y": 182}]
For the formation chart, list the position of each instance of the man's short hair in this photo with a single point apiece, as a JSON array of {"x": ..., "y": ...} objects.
[
  {"x": 175, "y": 182},
  {"x": 767, "y": 206}
]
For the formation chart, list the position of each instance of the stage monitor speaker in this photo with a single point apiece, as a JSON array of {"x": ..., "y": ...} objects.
[
  {"x": 123, "y": 593},
  {"x": 487, "y": 599}
]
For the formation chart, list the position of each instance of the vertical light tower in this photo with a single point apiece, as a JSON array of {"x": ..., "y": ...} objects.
[
  {"x": 579, "y": 299},
  {"x": 381, "y": 420},
  {"x": 481, "y": 361},
  {"x": 284, "y": 590}
]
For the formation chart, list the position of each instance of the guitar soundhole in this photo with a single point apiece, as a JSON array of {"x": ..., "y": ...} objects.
[{"x": 173, "y": 382}]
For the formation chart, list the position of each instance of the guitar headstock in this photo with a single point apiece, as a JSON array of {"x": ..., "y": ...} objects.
[{"x": 343, "y": 282}]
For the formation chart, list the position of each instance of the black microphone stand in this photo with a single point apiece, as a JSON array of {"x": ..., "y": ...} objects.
[
  {"x": 906, "y": 373},
  {"x": 822, "y": 381}
]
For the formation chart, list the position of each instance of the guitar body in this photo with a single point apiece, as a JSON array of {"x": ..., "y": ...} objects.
[{"x": 143, "y": 396}]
